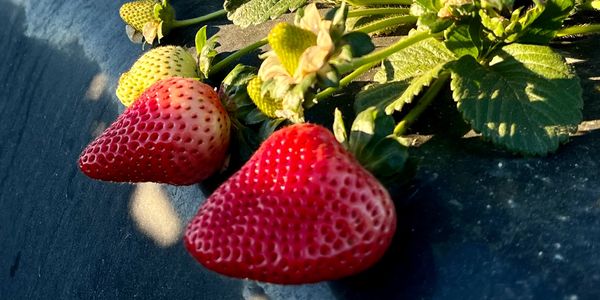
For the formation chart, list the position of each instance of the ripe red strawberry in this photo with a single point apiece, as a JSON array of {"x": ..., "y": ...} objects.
[
  {"x": 300, "y": 210},
  {"x": 177, "y": 132}
]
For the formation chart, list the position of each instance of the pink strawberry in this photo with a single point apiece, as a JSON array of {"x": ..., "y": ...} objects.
[
  {"x": 300, "y": 210},
  {"x": 176, "y": 132}
]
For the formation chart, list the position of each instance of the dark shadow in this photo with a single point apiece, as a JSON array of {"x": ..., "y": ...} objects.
[
  {"x": 587, "y": 66},
  {"x": 65, "y": 236},
  {"x": 407, "y": 270}
]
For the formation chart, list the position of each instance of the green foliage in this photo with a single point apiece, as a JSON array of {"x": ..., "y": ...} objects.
[
  {"x": 250, "y": 125},
  {"x": 360, "y": 43},
  {"x": 251, "y": 12},
  {"x": 205, "y": 50},
  {"x": 417, "y": 66},
  {"x": 380, "y": 24},
  {"x": 427, "y": 11},
  {"x": 544, "y": 28},
  {"x": 373, "y": 144},
  {"x": 379, "y": 95},
  {"x": 235, "y": 96},
  {"x": 465, "y": 38},
  {"x": 525, "y": 99}
]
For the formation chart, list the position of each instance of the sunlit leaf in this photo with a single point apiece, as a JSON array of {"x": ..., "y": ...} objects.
[{"x": 527, "y": 100}]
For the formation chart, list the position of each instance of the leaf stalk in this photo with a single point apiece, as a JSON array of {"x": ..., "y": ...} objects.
[
  {"x": 585, "y": 29},
  {"x": 385, "y": 23},
  {"x": 377, "y": 11},
  {"x": 345, "y": 81},
  {"x": 235, "y": 56},
  {"x": 422, "y": 105},
  {"x": 207, "y": 17},
  {"x": 382, "y": 54}
]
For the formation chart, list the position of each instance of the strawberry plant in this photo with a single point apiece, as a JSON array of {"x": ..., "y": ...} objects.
[{"x": 298, "y": 202}]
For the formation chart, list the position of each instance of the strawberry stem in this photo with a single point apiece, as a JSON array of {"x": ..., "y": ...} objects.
[
  {"x": 584, "y": 29},
  {"x": 345, "y": 81},
  {"x": 371, "y": 60},
  {"x": 235, "y": 56},
  {"x": 420, "y": 107},
  {"x": 377, "y": 11},
  {"x": 207, "y": 17},
  {"x": 389, "y": 22},
  {"x": 382, "y": 54}
]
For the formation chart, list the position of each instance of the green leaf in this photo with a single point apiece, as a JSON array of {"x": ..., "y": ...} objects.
[
  {"x": 200, "y": 40},
  {"x": 369, "y": 125},
  {"x": 207, "y": 54},
  {"x": 464, "y": 39},
  {"x": 255, "y": 116},
  {"x": 360, "y": 43},
  {"x": 234, "y": 95},
  {"x": 205, "y": 50},
  {"x": 527, "y": 99},
  {"x": 373, "y": 145},
  {"x": 268, "y": 127},
  {"x": 339, "y": 129},
  {"x": 427, "y": 11},
  {"x": 387, "y": 159},
  {"x": 543, "y": 29},
  {"x": 379, "y": 95},
  {"x": 244, "y": 142},
  {"x": 418, "y": 65},
  {"x": 251, "y": 12},
  {"x": 338, "y": 21}
]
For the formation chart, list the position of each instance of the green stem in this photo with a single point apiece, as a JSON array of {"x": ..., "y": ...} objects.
[
  {"x": 365, "y": 63},
  {"x": 377, "y": 11},
  {"x": 423, "y": 103},
  {"x": 235, "y": 56},
  {"x": 345, "y": 81},
  {"x": 388, "y": 22},
  {"x": 584, "y": 29},
  {"x": 382, "y": 54},
  {"x": 188, "y": 22},
  {"x": 385, "y": 23}
]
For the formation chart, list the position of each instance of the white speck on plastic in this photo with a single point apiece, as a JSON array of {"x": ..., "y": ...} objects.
[
  {"x": 559, "y": 257},
  {"x": 511, "y": 203}
]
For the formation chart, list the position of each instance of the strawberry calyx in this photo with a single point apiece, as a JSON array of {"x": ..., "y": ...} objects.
[
  {"x": 205, "y": 50},
  {"x": 250, "y": 124},
  {"x": 374, "y": 145}
]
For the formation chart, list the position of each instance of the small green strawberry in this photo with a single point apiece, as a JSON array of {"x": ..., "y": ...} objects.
[
  {"x": 137, "y": 13},
  {"x": 289, "y": 42},
  {"x": 154, "y": 65},
  {"x": 265, "y": 103},
  {"x": 147, "y": 18}
]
